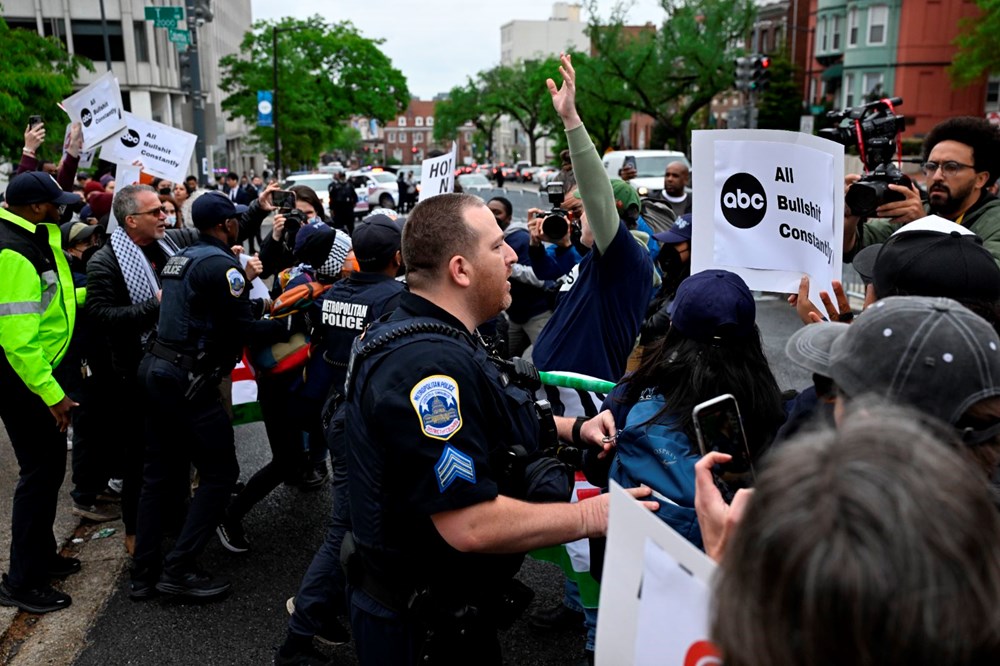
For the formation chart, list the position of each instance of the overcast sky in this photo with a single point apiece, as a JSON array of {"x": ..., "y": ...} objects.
[{"x": 438, "y": 43}]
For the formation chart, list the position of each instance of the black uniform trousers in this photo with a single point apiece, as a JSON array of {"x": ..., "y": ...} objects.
[
  {"x": 40, "y": 449},
  {"x": 180, "y": 432}
]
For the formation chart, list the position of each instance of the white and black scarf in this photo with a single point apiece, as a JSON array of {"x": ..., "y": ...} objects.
[{"x": 140, "y": 278}]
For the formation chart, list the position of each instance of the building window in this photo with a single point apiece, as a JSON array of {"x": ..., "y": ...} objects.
[
  {"x": 878, "y": 17},
  {"x": 89, "y": 43},
  {"x": 821, "y": 29},
  {"x": 430, "y": 121},
  {"x": 402, "y": 121},
  {"x": 419, "y": 121},
  {"x": 872, "y": 85},
  {"x": 848, "y": 90},
  {"x": 852, "y": 27},
  {"x": 836, "y": 33},
  {"x": 418, "y": 137},
  {"x": 141, "y": 45},
  {"x": 391, "y": 138},
  {"x": 992, "y": 93}
]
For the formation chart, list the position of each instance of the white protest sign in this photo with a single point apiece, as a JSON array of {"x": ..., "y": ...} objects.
[
  {"x": 655, "y": 592},
  {"x": 98, "y": 109},
  {"x": 257, "y": 287},
  {"x": 86, "y": 156},
  {"x": 438, "y": 175},
  {"x": 163, "y": 150},
  {"x": 769, "y": 206},
  {"x": 125, "y": 174}
]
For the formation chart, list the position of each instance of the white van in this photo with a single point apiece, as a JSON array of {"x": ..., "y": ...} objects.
[{"x": 650, "y": 165}]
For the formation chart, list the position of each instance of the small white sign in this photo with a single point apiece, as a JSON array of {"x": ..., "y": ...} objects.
[
  {"x": 125, "y": 174},
  {"x": 86, "y": 156},
  {"x": 438, "y": 175},
  {"x": 98, "y": 109},
  {"x": 162, "y": 150},
  {"x": 769, "y": 206}
]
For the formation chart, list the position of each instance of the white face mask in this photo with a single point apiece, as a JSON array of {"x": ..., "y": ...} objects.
[{"x": 171, "y": 220}]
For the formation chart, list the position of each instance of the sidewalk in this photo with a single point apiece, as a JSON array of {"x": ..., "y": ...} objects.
[{"x": 57, "y": 638}]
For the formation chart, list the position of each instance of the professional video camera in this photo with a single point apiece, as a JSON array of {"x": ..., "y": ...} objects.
[
  {"x": 556, "y": 224},
  {"x": 874, "y": 128},
  {"x": 294, "y": 220}
]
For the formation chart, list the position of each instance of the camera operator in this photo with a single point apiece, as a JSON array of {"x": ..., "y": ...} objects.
[
  {"x": 961, "y": 162},
  {"x": 276, "y": 250}
]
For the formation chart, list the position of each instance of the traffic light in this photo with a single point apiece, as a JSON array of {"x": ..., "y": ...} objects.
[
  {"x": 744, "y": 68},
  {"x": 184, "y": 61},
  {"x": 760, "y": 77}
]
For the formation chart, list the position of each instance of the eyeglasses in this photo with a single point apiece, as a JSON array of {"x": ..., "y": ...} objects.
[
  {"x": 949, "y": 168},
  {"x": 162, "y": 210}
]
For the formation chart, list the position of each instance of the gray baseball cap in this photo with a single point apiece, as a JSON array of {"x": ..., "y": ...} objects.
[
  {"x": 929, "y": 353},
  {"x": 810, "y": 345}
]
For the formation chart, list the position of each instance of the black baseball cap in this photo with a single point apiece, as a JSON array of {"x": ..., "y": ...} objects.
[
  {"x": 77, "y": 232},
  {"x": 376, "y": 240},
  {"x": 213, "y": 208},
  {"x": 864, "y": 261},
  {"x": 34, "y": 187}
]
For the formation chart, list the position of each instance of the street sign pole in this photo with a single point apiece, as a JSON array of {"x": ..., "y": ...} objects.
[{"x": 197, "y": 100}]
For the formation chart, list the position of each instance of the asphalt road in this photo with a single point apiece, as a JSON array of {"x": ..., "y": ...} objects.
[{"x": 286, "y": 528}]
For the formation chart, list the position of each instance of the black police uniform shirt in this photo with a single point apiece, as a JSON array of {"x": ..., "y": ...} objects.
[
  {"x": 205, "y": 305},
  {"x": 341, "y": 315},
  {"x": 421, "y": 430}
]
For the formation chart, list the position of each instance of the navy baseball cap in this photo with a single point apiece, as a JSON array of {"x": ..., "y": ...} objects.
[
  {"x": 680, "y": 232},
  {"x": 214, "y": 208},
  {"x": 376, "y": 240},
  {"x": 34, "y": 187},
  {"x": 713, "y": 305}
]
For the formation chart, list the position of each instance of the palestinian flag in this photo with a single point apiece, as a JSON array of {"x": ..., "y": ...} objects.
[{"x": 246, "y": 409}]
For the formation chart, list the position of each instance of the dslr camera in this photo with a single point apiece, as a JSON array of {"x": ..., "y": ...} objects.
[
  {"x": 556, "y": 224},
  {"x": 294, "y": 219},
  {"x": 874, "y": 128}
]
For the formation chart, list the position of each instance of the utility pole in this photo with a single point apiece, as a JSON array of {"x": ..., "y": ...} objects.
[
  {"x": 107, "y": 42},
  {"x": 274, "y": 104},
  {"x": 194, "y": 14}
]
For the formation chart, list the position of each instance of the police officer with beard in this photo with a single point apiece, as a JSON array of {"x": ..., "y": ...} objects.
[
  {"x": 205, "y": 321},
  {"x": 441, "y": 449}
]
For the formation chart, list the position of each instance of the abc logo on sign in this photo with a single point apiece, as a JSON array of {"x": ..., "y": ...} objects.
[
  {"x": 130, "y": 139},
  {"x": 744, "y": 202},
  {"x": 86, "y": 117}
]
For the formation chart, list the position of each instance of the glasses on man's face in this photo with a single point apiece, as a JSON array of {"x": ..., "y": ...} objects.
[
  {"x": 948, "y": 169},
  {"x": 162, "y": 210}
]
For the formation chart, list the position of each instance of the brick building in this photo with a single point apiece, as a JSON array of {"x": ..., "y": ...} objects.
[{"x": 410, "y": 137}]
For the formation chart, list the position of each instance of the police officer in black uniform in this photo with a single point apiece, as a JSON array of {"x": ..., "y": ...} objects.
[
  {"x": 205, "y": 320},
  {"x": 343, "y": 312},
  {"x": 440, "y": 448}
]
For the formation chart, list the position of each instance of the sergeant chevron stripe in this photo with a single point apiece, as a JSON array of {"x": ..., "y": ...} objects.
[{"x": 453, "y": 464}]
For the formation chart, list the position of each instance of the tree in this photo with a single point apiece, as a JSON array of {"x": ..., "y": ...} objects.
[
  {"x": 519, "y": 91},
  {"x": 672, "y": 73},
  {"x": 466, "y": 103},
  {"x": 978, "y": 49},
  {"x": 36, "y": 73},
  {"x": 327, "y": 72},
  {"x": 600, "y": 99},
  {"x": 780, "y": 106}
]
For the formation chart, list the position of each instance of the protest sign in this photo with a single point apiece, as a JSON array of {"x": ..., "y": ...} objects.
[
  {"x": 98, "y": 109},
  {"x": 125, "y": 174},
  {"x": 438, "y": 175},
  {"x": 769, "y": 206},
  {"x": 655, "y": 592},
  {"x": 163, "y": 150},
  {"x": 86, "y": 156}
]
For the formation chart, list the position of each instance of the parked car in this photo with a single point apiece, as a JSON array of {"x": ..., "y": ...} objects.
[
  {"x": 320, "y": 182},
  {"x": 375, "y": 189},
  {"x": 527, "y": 173},
  {"x": 650, "y": 166},
  {"x": 544, "y": 175},
  {"x": 474, "y": 182}
]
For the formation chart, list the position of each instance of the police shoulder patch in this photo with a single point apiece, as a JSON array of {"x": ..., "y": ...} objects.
[
  {"x": 237, "y": 283},
  {"x": 452, "y": 465},
  {"x": 436, "y": 401}
]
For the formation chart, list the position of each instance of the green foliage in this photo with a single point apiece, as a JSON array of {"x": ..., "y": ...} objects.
[
  {"x": 673, "y": 73},
  {"x": 466, "y": 103},
  {"x": 978, "y": 48},
  {"x": 600, "y": 101},
  {"x": 520, "y": 92},
  {"x": 36, "y": 73},
  {"x": 780, "y": 106},
  {"x": 327, "y": 72}
]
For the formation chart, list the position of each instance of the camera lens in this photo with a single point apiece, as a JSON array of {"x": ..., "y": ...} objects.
[
  {"x": 555, "y": 226},
  {"x": 863, "y": 197}
]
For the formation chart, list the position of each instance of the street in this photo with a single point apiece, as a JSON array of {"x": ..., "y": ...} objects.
[{"x": 247, "y": 627}]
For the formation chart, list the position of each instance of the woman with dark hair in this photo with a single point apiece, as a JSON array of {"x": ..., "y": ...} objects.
[
  {"x": 173, "y": 211},
  {"x": 712, "y": 348}
]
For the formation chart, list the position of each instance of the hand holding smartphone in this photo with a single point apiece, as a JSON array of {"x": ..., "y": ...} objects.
[
  {"x": 283, "y": 199},
  {"x": 34, "y": 120},
  {"x": 629, "y": 162},
  {"x": 719, "y": 427}
]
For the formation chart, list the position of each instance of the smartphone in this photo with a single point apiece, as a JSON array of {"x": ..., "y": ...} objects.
[
  {"x": 34, "y": 120},
  {"x": 719, "y": 427},
  {"x": 283, "y": 199},
  {"x": 629, "y": 162}
]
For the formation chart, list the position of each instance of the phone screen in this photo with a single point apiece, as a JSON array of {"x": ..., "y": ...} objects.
[
  {"x": 34, "y": 120},
  {"x": 283, "y": 199},
  {"x": 720, "y": 428},
  {"x": 629, "y": 161}
]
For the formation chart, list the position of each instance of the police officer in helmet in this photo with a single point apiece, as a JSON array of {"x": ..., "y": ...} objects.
[
  {"x": 206, "y": 319},
  {"x": 435, "y": 436}
]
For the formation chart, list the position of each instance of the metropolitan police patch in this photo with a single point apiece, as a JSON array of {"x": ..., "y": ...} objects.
[
  {"x": 237, "y": 283},
  {"x": 453, "y": 464},
  {"x": 435, "y": 400}
]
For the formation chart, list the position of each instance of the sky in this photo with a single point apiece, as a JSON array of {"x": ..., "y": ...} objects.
[{"x": 437, "y": 44}]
